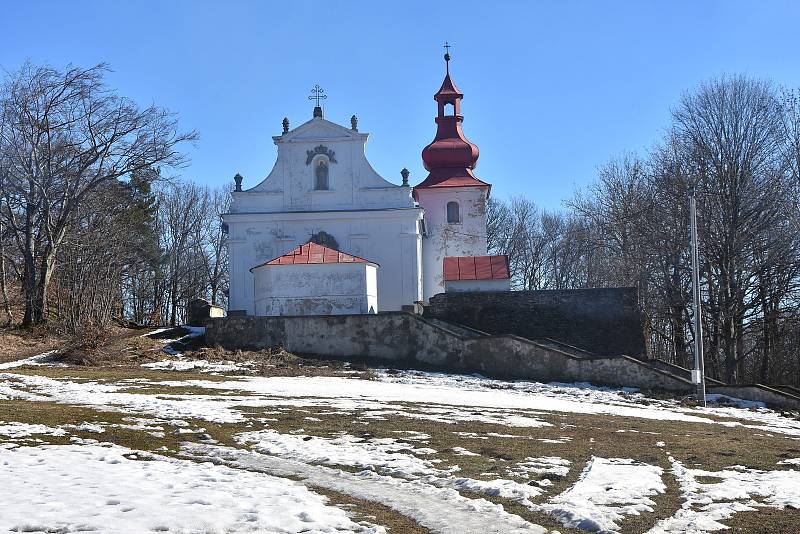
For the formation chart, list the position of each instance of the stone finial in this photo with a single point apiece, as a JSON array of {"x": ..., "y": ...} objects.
[
  {"x": 404, "y": 173},
  {"x": 317, "y": 112},
  {"x": 238, "y": 180},
  {"x": 354, "y": 123},
  {"x": 285, "y": 125}
]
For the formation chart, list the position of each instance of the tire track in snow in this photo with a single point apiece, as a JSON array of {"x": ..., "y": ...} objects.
[{"x": 441, "y": 510}]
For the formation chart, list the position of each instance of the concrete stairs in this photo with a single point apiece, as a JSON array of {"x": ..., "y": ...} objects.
[{"x": 779, "y": 396}]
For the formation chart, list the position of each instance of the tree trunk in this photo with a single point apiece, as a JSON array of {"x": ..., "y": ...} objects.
[
  {"x": 767, "y": 342},
  {"x": 3, "y": 287},
  {"x": 29, "y": 289}
]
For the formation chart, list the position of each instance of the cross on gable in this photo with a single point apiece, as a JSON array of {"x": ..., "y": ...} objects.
[{"x": 317, "y": 93}]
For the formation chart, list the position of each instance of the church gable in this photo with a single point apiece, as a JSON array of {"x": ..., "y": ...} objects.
[
  {"x": 320, "y": 129},
  {"x": 322, "y": 166}
]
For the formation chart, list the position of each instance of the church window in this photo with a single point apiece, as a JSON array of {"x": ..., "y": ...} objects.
[
  {"x": 321, "y": 175},
  {"x": 449, "y": 109},
  {"x": 453, "y": 215}
]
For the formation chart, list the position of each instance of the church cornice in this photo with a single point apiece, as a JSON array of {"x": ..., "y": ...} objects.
[
  {"x": 337, "y": 133},
  {"x": 249, "y": 216}
]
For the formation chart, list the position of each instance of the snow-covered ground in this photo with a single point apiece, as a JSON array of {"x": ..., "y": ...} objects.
[
  {"x": 111, "y": 489},
  {"x": 126, "y": 489}
]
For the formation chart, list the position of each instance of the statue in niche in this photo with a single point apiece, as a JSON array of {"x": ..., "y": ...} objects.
[{"x": 321, "y": 175}]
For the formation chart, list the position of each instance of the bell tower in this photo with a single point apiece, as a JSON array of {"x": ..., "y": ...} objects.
[{"x": 453, "y": 198}]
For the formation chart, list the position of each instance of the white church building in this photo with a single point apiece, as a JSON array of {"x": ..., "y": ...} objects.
[{"x": 377, "y": 246}]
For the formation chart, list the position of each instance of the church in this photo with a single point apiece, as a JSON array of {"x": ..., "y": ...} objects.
[{"x": 325, "y": 234}]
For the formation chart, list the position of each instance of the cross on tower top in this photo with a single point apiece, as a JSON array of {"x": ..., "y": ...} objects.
[{"x": 447, "y": 56}]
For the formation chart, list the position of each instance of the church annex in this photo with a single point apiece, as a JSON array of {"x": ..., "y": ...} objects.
[{"x": 322, "y": 190}]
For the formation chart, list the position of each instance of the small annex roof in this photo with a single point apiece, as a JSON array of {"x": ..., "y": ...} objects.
[
  {"x": 312, "y": 253},
  {"x": 476, "y": 268}
]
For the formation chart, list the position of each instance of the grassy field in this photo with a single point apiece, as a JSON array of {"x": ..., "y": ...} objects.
[{"x": 484, "y": 438}]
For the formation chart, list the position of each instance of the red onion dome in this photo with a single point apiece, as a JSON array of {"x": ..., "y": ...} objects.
[{"x": 450, "y": 157}]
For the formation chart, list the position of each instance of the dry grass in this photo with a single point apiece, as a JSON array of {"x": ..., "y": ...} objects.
[
  {"x": 130, "y": 348},
  {"x": 279, "y": 362},
  {"x": 17, "y": 343},
  {"x": 118, "y": 357},
  {"x": 112, "y": 346},
  {"x": 713, "y": 447}
]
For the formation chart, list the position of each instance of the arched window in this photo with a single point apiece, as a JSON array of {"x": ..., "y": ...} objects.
[
  {"x": 452, "y": 212},
  {"x": 321, "y": 174},
  {"x": 449, "y": 109}
]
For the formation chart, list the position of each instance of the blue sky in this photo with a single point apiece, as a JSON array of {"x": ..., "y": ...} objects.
[{"x": 553, "y": 89}]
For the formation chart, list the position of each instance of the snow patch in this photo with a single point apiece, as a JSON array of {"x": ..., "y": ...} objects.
[
  {"x": 608, "y": 490},
  {"x": 46, "y": 358},
  {"x": 16, "y": 430},
  {"x": 508, "y": 489},
  {"x": 545, "y": 465},
  {"x": 87, "y": 427},
  {"x": 738, "y": 490},
  {"x": 717, "y": 398},
  {"x": 67, "y": 488},
  {"x": 204, "y": 366},
  {"x": 379, "y": 454}
]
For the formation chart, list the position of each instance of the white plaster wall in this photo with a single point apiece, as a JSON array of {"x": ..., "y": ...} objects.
[
  {"x": 467, "y": 238},
  {"x": 367, "y": 215},
  {"x": 316, "y": 289},
  {"x": 477, "y": 285},
  {"x": 389, "y": 238}
]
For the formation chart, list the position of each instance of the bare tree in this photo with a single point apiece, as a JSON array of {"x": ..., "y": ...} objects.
[
  {"x": 214, "y": 243},
  {"x": 183, "y": 210},
  {"x": 64, "y": 134},
  {"x": 727, "y": 129}
]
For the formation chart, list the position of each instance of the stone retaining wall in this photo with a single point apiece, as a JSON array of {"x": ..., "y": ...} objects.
[
  {"x": 387, "y": 336},
  {"x": 407, "y": 338},
  {"x": 605, "y": 321}
]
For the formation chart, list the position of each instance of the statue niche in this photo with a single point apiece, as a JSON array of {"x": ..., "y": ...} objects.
[{"x": 321, "y": 175}]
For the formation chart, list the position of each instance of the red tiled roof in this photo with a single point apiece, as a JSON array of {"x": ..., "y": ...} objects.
[
  {"x": 312, "y": 253},
  {"x": 464, "y": 180},
  {"x": 476, "y": 268}
]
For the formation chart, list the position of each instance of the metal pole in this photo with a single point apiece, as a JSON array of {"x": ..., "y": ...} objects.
[{"x": 698, "y": 373}]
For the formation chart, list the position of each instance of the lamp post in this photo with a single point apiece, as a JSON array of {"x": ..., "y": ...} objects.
[{"x": 698, "y": 373}]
